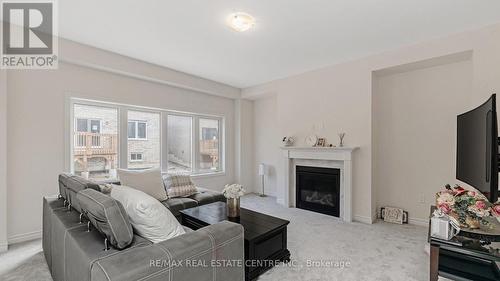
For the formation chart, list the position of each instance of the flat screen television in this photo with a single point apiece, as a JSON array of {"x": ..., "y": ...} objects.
[{"x": 477, "y": 148}]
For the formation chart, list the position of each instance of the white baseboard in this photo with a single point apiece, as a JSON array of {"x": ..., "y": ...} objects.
[
  {"x": 4, "y": 247},
  {"x": 280, "y": 201},
  {"x": 363, "y": 219},
  {"x": 417, "y": 221},
  {"x": 18, "y": 238}
]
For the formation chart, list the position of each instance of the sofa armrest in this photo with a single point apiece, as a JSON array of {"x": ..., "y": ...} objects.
[{"x": 214, "y": 252}]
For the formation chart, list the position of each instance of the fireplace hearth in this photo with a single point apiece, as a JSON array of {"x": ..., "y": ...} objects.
[{"x": 318, "y": 189}]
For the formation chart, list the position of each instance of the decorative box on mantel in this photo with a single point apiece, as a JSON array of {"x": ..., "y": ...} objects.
[{"x": 338, "y": 158}]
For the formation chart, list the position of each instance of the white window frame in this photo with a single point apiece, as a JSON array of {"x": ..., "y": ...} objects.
[
  {"x": 136, "y": 124},
  {"x": 123, "y": 139}
]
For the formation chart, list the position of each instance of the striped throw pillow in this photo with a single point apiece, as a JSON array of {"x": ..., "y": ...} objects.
[{"x": 179, "y": 185}]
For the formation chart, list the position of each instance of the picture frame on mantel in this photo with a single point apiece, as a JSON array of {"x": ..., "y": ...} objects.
[{"x": 321, "y": 142}]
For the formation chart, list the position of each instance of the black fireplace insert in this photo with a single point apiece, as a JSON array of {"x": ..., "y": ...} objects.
[{"x": 318, "y": 189}]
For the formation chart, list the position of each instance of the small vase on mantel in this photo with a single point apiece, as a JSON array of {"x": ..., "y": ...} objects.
[{"x": 233, "y": 192}]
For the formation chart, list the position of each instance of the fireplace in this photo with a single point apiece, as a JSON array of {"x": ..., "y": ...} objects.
[{"x": 318, "y": 189}]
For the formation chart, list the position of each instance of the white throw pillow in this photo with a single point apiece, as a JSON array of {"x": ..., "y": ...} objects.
[
  {"x": 148, "y": 181},
  {"x": 147, "y": 215}
]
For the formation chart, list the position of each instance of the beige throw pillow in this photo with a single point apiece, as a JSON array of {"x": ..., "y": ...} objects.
[
  {"x": 147, "y": 181},
  {"x": 179, "y": 185}
]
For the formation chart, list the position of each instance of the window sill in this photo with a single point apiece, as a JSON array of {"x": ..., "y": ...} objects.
[
  {"x": 204, "y": 175},
  {"x": 207, "y": 175}
]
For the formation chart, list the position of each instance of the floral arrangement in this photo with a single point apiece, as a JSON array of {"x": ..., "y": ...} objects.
[
  {"x": 233, "y": 191},
  {"x": 467, "y": 206}
]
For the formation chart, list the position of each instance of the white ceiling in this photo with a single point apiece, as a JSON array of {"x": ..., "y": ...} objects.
[{"x": 290, "y": 37}]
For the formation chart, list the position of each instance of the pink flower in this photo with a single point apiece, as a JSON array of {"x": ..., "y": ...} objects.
[
  {"x": 480, "y": 205},
  {"x": 471, "y": 193},
  {"x": 445, "y": 208},
  {"x": 496, "y": 210},
  {"x": 459, "y": 190}
]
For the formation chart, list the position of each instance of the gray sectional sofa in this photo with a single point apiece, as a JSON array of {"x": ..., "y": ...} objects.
[{"x": 75, "y": 253}]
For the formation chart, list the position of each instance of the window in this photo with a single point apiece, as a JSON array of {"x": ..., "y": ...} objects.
[
  {"x": 107, "y": 136},
  {"x": 95, "y": 141},
  {"x": 143, "y": 139},
  {"x": 137, "y": 129},
  {"x": 209, "y": 154},
  {"x": 179, "y": 143},
  {"x": 135, "y": 157},
  {"x": 88, "y": 125}
]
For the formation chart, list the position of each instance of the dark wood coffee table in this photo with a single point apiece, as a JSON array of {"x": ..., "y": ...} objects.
[{"x": 265, "y": 236}]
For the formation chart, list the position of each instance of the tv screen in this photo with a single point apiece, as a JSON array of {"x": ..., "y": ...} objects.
[{"x": 477, "y": 148}]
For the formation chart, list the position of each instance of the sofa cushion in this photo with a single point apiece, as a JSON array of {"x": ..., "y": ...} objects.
[
  {"x": 149, "y": 217},
  {"x": 63, "y": 184},
  {"x": 49, "y": 205},
  {"x": 74, "y": 184},
  {"x": 147, "y": 181},
  {"x": 108, "y": 216},
  {"x": 60, "y": 222},
  {"x": 72, "y": 249},
  {"x": 205, "y": 196},
  {"x": 84, "y": 250},
  {"x": 175, "y": 205},
  {"x": 78, "y": 183}
]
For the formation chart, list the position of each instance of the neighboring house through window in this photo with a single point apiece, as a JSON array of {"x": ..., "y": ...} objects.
[
  {"x": 149, "y": 138},
  {"x": 95, "y": 140}
]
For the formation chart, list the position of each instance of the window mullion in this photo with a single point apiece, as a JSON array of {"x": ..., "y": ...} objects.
[
  {"x": 164, "y": 141},
  {"x": 195, "y": 147},
  {"x": 123, "y": 137}
]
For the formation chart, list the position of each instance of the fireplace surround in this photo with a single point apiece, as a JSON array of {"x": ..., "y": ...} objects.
[{"x": 322, "y": 157}]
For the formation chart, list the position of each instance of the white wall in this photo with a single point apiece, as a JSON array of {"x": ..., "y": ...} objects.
[
  {"x": 3, "y": 160},
  {"x": 76, "y": 53},
  {"x": 267, "y": 141},
  {"x": 414, "y": 129},
  {"x": 37, "y": 112},
  {"x": 339, "y": 99},
  {"x": 245, "y": 167}
]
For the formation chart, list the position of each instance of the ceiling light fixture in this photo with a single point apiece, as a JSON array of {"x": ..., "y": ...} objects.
[{"x": 240, "y": 21}]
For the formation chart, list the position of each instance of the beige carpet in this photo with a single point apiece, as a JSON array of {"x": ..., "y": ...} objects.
[{"x": 322, "y": 248}]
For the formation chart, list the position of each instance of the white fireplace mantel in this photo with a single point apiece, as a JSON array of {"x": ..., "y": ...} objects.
[{"x": 328, "y": 157}]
